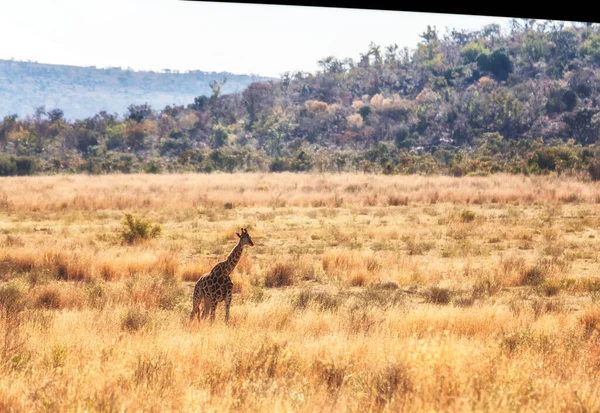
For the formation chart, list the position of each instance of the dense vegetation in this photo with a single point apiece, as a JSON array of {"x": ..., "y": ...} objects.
[
  {"x": 84, "y": 91},
  {"x": 466, "y": 102}
]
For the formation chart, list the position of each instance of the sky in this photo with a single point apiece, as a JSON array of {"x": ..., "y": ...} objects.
[{"x": 239, "y": 38}]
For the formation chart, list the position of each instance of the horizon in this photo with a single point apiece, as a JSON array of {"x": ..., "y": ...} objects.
[{"x": 161, "y": 71}]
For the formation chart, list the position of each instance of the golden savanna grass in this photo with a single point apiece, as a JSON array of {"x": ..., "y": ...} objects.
[{"x": 362, "y": 293}]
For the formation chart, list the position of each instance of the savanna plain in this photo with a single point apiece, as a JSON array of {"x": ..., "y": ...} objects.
[{"x": 361, "y": 293}]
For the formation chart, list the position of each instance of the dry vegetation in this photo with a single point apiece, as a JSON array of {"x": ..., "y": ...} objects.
[{"x": 362, "y": 293}]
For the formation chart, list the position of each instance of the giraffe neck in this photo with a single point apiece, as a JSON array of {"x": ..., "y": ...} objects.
[{"x": 234, "y": 257}]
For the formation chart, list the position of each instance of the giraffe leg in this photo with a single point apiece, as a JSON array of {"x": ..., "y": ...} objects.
[
  {"x": 205, "y": 308},
  {"x": 195, "y": 307},
  {"x": 227, "y": 304},
  {"x": 213, "y": 307}
]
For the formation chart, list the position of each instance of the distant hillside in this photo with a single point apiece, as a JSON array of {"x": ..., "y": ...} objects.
[{"x": 82, "y": 92}]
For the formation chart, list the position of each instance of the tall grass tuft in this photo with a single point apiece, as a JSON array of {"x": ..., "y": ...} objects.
[
  {"x": 134, "y": 319},
  {"x": 281, "y": 274},
  {"x": 50, "y": 298}
]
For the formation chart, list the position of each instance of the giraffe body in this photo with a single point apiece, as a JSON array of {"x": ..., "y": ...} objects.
[{"x": 216, "y": 286}]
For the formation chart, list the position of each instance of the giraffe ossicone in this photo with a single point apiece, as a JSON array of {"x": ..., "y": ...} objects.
[{"x": 216, "y": 286}]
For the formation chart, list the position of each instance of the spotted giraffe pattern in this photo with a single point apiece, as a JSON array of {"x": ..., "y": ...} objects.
[{"x": 216, "y": 286}]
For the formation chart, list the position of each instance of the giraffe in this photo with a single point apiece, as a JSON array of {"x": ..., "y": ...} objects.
[{"x": 216, "y": 286}]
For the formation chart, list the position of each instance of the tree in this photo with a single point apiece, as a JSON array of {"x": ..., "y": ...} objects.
[
  {"x": 535, "y": 46},
  {"x": 258, "y": 99},
  {"x": 8, "y": 124},
  {"x": 332, "y": 65},
  {"x": 590, "y": 49},
  {"x": 401, "y": 135},
  {"x": 506, "y": 110},
  {"x": 139, "y": 112},
  {"x": 135, "y": 136},
  {"x": 175, "y": 144},
  {"x": 491, "y": 33},
  {"x": 562, "y": 51},
  {"x": 215, "y": 100},
  {"x": 115, "y": 136},
  {"x": 584, "y": 124},
  {"x": 220, "y": 136},
  {"x": 56, "y": 115},
  {"x": 86, "y": 139},
  {"x": 472, "y": 50},
  {"x": 432, "y": 43},
  {"x": 561, "y": 100},
  {"x": 200, "y": 103},
  {"x": 498, "y": 63},
  {"x": 39, "y": 112}
]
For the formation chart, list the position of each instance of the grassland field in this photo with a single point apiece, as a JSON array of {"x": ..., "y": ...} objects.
[{"x": 363, "y": 293}]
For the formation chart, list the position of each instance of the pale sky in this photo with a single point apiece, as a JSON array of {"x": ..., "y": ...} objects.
[{"x": 240, "y": 38}]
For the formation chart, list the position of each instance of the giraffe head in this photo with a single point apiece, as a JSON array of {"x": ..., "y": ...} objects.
[{"x": 245, "y": 237}]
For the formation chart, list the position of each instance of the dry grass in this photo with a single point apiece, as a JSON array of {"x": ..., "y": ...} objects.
[{"x": 362, "y": 293}]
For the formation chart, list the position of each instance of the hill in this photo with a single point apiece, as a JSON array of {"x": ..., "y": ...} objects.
[
  {"x": 81, "y": 92},
  {"x": 524, "y": 100}
]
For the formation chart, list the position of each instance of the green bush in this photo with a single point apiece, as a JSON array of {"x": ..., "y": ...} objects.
[
  {"x": 17, "y": 165},
  {"x": 152, "y": 167},
  {"x": 498, "y": 63},
  {"x": 470, "y": 52},
  {"x": 136, "y": 229},
  {"x": 467, "y": 216},
  {"x": 594, "y": 170},
  {"x": 279, "y": 165}
]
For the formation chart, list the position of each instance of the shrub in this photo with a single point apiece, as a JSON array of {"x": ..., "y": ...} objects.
[
  {"x": 416, "y": 247},
  {"x": 156, "y": 371},
  {"x": 136, "y": 229},
  {"x": 280, "y": 275},
  {"x": 397, "y": 200},
  {"x": 257, "y": 294},
  {"x": 486, "y": 286},
  {"x": 549, "y": 288},
  {"x": 498, "y": 63},
  {"x": 17, "y": 165},
  {"x": 392, "y": 382},
  {"x": 374, "y": 295},
  {"x": 457, "y": 170},
  {"x": 467, "y": 216},
  {"x": 590, "y": 321},
  {"x": 321, "y": 299},
  {"x": 169, "y": 293},
  {"x": 470, "y": 52},
  {"x": 332, "y": 374},
  {"x": 7, "y": 166},
  {"x": 357, "y": 280},
  {"x": 536, "y": 275},
  {"x": 134, "y": 319},
  {"x": 152, "y": 167},
  {"x": 280, "y": 165},
  {"x": 50, "y": 298},
  {"x": 386, "y": 285},
  {"x": 190, "y": 275},
  {"x": 12, "y": 297},
  {"x": 96, "y": 295},
  {"x": 437, "y": 295},
  {"x": 594, "y": 170}
]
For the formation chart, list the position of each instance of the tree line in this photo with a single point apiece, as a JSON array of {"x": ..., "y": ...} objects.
[{"x": 521, "y": 100}]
